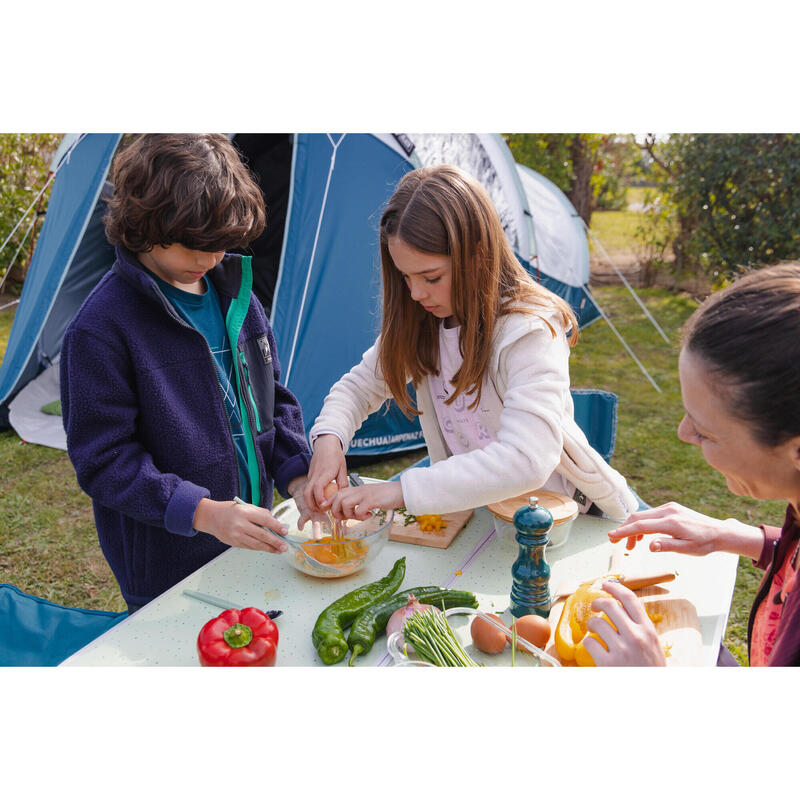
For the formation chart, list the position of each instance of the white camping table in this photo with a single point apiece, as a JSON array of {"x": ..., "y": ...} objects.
[{"x": 164, "y": 632}]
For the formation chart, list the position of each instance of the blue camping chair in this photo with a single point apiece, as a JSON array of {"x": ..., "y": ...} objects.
[
  {"x": 596, "y": 415},
  {"x": 37, "y": 633}
]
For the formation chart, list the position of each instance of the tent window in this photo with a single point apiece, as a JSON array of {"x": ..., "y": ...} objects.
[{"x": 269, "y": 157}]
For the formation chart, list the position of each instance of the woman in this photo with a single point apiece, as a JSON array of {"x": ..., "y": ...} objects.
[{"x": 740, "y": 380}]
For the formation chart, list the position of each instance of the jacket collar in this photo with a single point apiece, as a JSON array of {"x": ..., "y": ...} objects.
[{"x": 226, "y": 276}]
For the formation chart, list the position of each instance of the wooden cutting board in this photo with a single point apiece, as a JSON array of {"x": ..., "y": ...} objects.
[
  {"x": 678, "y": 628},
  {"x": 411, "y": 534}
]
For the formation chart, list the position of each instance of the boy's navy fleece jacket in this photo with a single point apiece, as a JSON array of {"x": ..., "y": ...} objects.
[{"x": 146, "y": 425}]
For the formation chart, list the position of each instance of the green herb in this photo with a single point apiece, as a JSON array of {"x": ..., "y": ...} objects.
[
  {"x": 408, "y": 519},
  {"x": 430, "y": 634}
]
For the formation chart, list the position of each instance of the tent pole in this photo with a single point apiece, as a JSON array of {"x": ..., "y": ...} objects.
[
  {"x": 14, "y": 257},
  {"x": 628, "y": 286},
  {"x": 619, "y": 336},
  {"x": 50, "y": 177}
]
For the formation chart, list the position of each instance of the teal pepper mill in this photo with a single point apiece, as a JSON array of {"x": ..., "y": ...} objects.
[{"x": 530, "y": 591}]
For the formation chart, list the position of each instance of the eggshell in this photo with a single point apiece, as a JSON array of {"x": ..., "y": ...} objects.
[
  {"x": 485, "y": 636},
  {"x": 534, "y": 629},
  {"x": 330, "y": 490}
]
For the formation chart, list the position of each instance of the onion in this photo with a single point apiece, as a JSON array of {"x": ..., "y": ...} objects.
[{"x": 398, "y": 619}]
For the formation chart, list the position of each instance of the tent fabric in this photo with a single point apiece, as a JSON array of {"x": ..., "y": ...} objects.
[
  {"x": 73, "y": 199},
  {"x": 325, "y": 307},
  {"x": 35, "y": 632},
  {"x": 26, "y": 416},
  {"x": 487, "y": 158},
  {"x": 562, "y": 250},
  {"x": 560, "y": 239},
  {"x": 328, "y": 290}
]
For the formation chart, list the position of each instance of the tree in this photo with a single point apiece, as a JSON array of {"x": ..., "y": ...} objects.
[{"x": 591, "y": 169}]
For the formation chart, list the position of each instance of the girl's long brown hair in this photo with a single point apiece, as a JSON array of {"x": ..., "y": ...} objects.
[{"x": 444, "y": 211}]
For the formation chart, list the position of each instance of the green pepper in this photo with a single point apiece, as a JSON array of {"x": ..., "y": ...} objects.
[
  {"x": 328, "y": 633},
  {"x": 372, "y": 622}
]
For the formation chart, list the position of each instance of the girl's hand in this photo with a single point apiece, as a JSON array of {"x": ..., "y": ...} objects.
[
  {"x": 635, "y": 642},
  {"x": 327, "y": 464},
  {"x": 297, "y": 491},
  {"x": 240, "y": 525},
  {"x": 685, "y": 531},
  {"x": 357, "y": 502}
]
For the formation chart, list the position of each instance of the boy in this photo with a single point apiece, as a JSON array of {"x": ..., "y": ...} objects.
[{"x": 169, "y": 377}]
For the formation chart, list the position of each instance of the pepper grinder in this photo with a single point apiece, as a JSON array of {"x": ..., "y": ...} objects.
[{"x": 530, "y": 590}]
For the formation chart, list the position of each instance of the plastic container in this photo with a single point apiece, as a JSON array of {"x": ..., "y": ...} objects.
[
  {"x": 460, "y": 620},
  {"x": 363, "y": 542},
  {"x": 564, "y": 510}
]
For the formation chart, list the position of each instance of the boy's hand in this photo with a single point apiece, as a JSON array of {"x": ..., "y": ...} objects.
[
  {"x": 357, "y": 502},
  {"x": 240, "y": 525},
  {"x": 327, "y": 464}
]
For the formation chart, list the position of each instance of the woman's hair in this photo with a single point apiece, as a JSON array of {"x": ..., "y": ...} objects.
[
  {"x": 442, "y": 210},
  {"x": 748, "y": 336},
  {"x": 183, "y": 188}
]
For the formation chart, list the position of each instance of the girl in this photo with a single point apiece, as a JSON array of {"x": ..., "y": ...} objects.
[
  {"x": 740, "y": 383},
  {"x": 487, "y": 351}
]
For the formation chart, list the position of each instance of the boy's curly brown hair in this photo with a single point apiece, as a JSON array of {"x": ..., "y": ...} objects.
[{"x": 183, "y": 188}]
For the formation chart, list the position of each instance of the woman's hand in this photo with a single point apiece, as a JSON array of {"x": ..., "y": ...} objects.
[
  {"x": 635, "y": 642},
  {"x": 327, "y": 464},
  {"x": 357, "y": 502},
  {"x": 681, "y": 530},
  {"x": 240, "y": 525}
]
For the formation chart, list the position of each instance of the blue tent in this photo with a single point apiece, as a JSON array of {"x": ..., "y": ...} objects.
[
  {"x": 562, "y": 251},
  {"x": 316, "y": 266}
]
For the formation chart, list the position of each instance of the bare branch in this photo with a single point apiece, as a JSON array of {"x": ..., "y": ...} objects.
[{"x": 649, "y": 145}]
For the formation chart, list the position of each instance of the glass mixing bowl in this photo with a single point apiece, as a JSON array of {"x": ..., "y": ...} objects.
[{"x": 335, "y": 559}]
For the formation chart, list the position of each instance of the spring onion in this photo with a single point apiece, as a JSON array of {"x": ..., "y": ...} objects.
[{"x": 433, "y": 639}]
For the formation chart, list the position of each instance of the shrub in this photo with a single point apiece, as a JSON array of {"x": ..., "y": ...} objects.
[
  {"x": 734, "y": 199},
  {"x": 24, "y": 164}
]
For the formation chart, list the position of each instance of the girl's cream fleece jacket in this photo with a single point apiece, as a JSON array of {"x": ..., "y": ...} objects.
[{"x": 537, "y": 433}]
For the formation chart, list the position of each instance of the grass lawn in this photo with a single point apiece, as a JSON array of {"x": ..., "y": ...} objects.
[
  {"x": 616, "y": 230},
  {"x": 48, "y": 544}
]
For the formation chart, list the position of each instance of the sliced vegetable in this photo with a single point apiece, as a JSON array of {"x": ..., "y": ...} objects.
[
  {"x": 328, "y": 632},
  {"x": 430, "y": 522},
  {"x": 571, "y": 630}
]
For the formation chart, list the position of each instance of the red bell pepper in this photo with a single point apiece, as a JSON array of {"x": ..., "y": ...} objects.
[{"x": 246, "y": 638}]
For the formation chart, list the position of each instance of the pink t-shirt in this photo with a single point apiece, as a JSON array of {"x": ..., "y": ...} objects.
[{"x": 463, "y": 429}]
